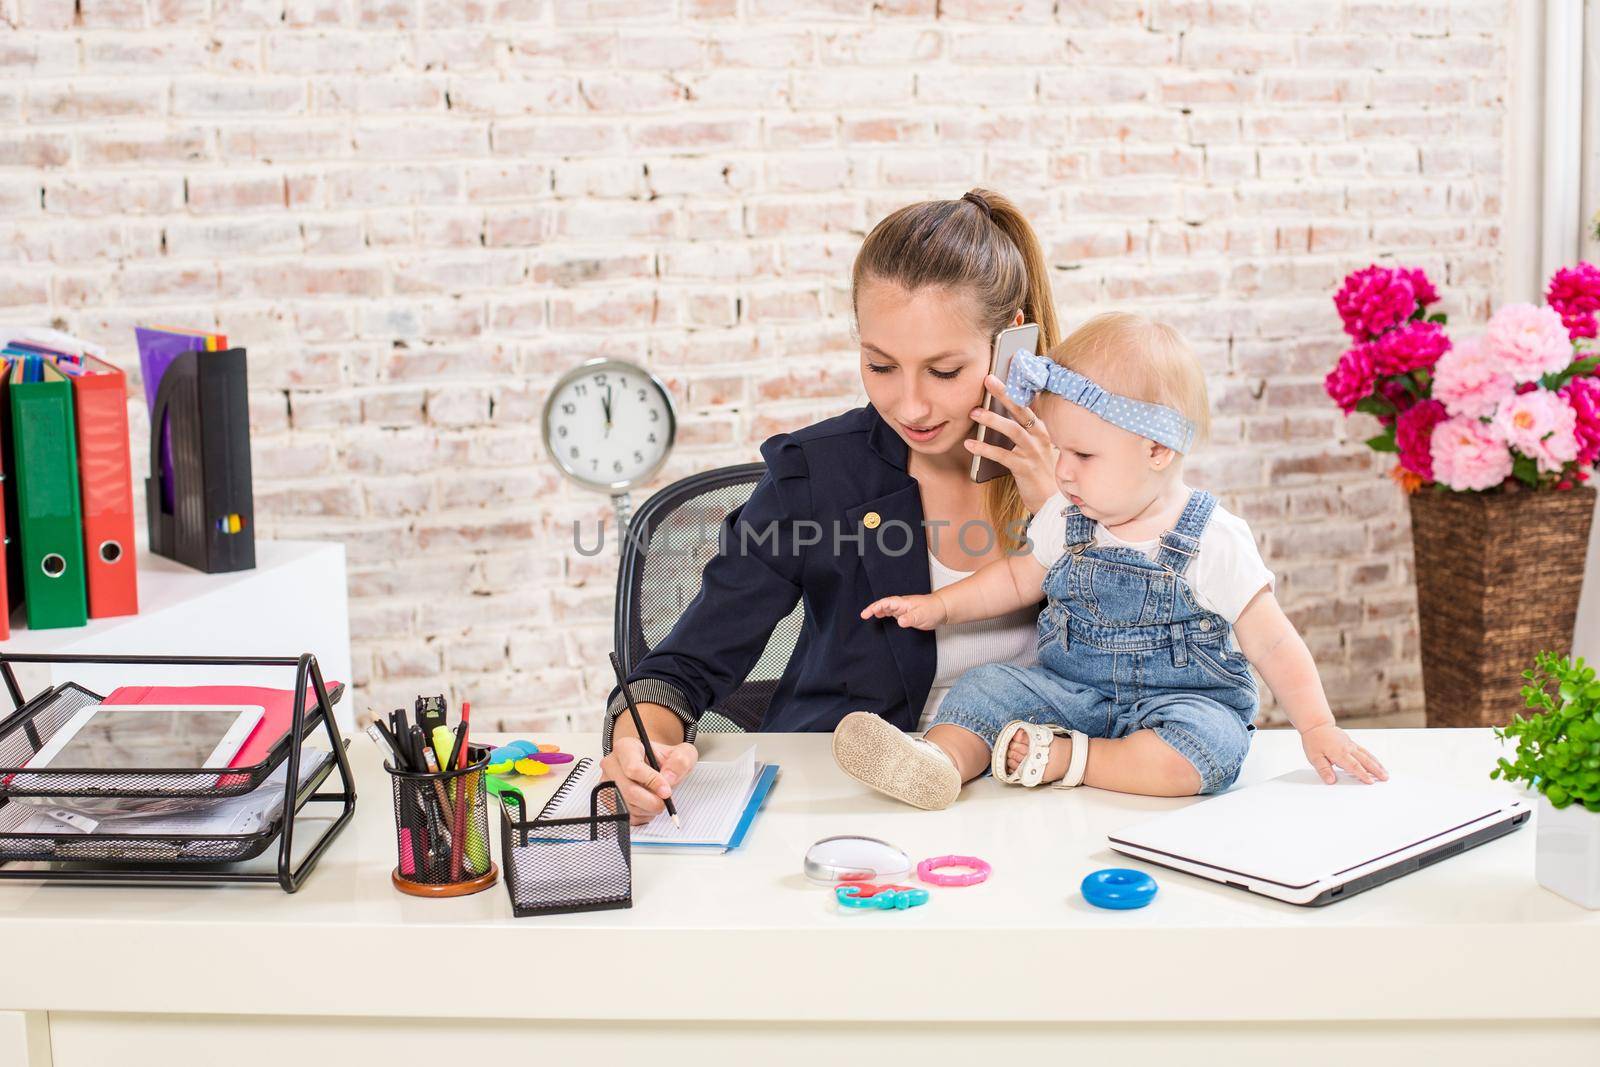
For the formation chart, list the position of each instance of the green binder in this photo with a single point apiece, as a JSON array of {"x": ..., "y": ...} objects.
[{"x": 49, "y": 519}]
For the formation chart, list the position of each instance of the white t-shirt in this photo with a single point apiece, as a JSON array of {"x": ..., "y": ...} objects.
[
  {"x": 1225, "y": 574},
  {"x": 961, "y": 646}
]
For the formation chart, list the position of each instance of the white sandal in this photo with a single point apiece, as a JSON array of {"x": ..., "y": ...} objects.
[{"x": 1030, "y": 770}]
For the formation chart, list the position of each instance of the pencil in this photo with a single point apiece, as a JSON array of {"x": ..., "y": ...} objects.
[{"x": 644, "y": 738}]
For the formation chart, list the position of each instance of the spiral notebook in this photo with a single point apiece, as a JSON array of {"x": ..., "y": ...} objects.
[{"x": 716, "y": 803}]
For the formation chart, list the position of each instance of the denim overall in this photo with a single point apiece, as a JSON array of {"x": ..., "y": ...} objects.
[{"x": 1123, "y": 646}]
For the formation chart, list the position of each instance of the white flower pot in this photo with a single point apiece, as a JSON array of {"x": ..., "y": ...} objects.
[{"x": 1567, "y": 852}]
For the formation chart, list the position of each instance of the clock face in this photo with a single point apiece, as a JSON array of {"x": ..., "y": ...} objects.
[{"x": 609, "y": 424}]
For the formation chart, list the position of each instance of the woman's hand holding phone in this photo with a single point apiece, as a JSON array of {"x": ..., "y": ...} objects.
[{"x": 1031, "y": 459}]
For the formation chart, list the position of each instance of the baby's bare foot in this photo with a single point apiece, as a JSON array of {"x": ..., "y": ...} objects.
[
  {"x": 1016, "y": 752},
  {"x": 1055, "y": 767}
]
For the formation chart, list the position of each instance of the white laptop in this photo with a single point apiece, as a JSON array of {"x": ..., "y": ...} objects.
[{"x": 1303, "y": 841}]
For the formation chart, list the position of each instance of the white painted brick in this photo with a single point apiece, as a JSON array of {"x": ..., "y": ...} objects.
[{"x": 418, "y": 213}]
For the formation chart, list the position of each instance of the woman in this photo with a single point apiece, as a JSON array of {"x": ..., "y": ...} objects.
[{"x": 888, "y": 487}]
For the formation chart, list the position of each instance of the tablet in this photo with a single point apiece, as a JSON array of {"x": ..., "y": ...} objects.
[{"x": 149, "y": 737}]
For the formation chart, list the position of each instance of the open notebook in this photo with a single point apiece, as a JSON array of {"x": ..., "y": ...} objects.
[{"x": 716, "y": 803}]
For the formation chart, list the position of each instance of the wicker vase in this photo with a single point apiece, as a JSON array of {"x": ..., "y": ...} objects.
[{"x": 1498, "y": 578}]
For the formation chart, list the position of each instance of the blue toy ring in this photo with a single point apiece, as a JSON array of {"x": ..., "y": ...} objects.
[{"x": 1119, "y": 889}]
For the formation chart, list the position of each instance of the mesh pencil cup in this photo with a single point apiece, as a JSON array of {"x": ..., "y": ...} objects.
[{"x": 442, "y": 830}]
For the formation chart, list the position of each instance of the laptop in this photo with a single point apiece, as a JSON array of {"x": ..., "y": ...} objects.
[{"x": 1297, "y": 839}]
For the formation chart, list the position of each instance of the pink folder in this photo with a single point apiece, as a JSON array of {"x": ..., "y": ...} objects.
[{"x": 278, "y": 705}]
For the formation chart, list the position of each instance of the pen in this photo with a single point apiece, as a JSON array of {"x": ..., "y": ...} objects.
[
  {"x": 644, "y": 738},
  {"x": 393, "y": 744},
  {"x": 458, "y": 760},
  {"x": 438, "y": 788}
]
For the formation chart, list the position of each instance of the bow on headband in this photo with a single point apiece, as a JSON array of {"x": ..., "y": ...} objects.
[{"x": 1031, "y": 374}]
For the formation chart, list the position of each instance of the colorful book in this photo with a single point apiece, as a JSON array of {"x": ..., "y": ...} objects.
[
  {"x": 49, "y": 513},
  {"x": 100, "y": 404}
]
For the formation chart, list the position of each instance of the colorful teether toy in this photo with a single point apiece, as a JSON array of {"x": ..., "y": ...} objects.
[
  {"x": 977, "y": 870},
  {"x": 527, "y": 758},
  {"x": 885, "y": 898}
]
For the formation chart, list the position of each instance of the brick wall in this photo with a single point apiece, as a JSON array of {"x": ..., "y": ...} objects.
[{"x": 418, "y": 213}]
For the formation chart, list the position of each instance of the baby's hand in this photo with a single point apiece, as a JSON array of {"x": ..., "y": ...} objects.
[
  {"x": 917, "y": 612},
  {"x": 1328, "y": 747}
]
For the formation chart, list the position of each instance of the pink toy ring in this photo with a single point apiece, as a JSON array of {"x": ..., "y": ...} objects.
[{"x": 979, "y": 872}]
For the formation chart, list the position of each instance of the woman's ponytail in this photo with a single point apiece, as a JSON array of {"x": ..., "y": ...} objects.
[{"x": 1040, "y": 303}]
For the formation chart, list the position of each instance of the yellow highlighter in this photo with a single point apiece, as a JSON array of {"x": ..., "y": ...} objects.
[{"x": 444, "y": 741}]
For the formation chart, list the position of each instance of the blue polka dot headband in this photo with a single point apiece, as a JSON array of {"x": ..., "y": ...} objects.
[{"x": 1029, "y": 374}]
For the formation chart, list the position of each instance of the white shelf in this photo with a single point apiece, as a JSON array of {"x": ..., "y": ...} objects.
[{"x": 295, "y": 600}]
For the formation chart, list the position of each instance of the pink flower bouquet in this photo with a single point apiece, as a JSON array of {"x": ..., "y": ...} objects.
[{"x": 1520, "y": 404}]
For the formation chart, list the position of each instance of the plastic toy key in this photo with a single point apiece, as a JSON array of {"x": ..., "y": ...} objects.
[
  {"x": 884, "y": 898},
  {"x": 867, "y": 889}
]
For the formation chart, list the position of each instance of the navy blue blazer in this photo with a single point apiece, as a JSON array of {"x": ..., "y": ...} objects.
[{"x": 835, "y": 474}]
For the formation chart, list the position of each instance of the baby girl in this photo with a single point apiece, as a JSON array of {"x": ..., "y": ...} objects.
[{"x": 1157, "y": 606}]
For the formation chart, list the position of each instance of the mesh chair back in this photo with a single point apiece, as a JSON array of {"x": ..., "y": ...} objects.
[{"x": 668, "y": 544}]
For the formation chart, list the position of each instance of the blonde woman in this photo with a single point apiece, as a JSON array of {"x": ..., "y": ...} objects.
[{"x": 873, "y": 501}]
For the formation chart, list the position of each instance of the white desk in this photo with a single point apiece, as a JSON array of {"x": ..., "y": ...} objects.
[
  {"x": 295, "y": 600},
  {"x": 1465, "y": 962}
]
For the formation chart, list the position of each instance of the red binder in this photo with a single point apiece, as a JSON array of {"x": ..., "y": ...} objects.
[{"x": 105, "y": 474}]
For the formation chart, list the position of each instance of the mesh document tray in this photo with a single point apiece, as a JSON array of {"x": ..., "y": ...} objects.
[
  {"x": 144, "y": 849},
  {"x": 32, "y": 726},
  {"x": 566, "y": 865}
]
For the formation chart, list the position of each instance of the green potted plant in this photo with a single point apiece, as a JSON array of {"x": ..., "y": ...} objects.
[{"x": 1558, "y": 754}]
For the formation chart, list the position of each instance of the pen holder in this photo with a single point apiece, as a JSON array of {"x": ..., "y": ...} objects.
[
  {"x": 442, "y": 830},
  {"x": 565, "y": 865}
]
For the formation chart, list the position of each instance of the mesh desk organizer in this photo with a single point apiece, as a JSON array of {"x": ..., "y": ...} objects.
[
  {"x": 162, "y": 859},
  {"x": 565, "y": 865}
]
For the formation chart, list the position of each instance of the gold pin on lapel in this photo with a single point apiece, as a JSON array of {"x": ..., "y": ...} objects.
[{"x": 871, "y": 520}]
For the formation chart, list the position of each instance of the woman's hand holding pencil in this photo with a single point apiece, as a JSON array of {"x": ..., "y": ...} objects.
[
  {"x": 656, "y": 776},
  {"x": 644, "y": 788}
]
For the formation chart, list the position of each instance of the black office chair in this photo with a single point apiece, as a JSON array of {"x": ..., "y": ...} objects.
[{"x": 668, "y": 543}]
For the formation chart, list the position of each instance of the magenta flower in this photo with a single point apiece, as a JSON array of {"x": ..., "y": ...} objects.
[
  {"x": 1396, "y": 394},
  {"x": 1373, "y": 300},
  {"x": 1574, "y": 293},
  {"x": 1541, "y": 426},
  {"x": 1426, "y": 293},
  {"x": 1414, "y": 346},
  {"x": 1351, "y": 381},
  {"x": 1527, "y": 341},
  {"x": 1469, "y": 454},
  {"x": 1413, "y": 433},
  {"x": 1583, "y": 394},
  {"x": 1469, "y": 383}
]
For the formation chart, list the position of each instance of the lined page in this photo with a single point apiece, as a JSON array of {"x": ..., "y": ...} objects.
[{"x": 709, "y": 804}]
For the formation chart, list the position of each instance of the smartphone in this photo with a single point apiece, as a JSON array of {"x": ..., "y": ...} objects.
[{"x": 1007, "y": 343}]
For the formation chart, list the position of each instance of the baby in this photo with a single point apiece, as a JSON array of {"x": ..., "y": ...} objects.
[{"x": 1152, "y": 592}]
